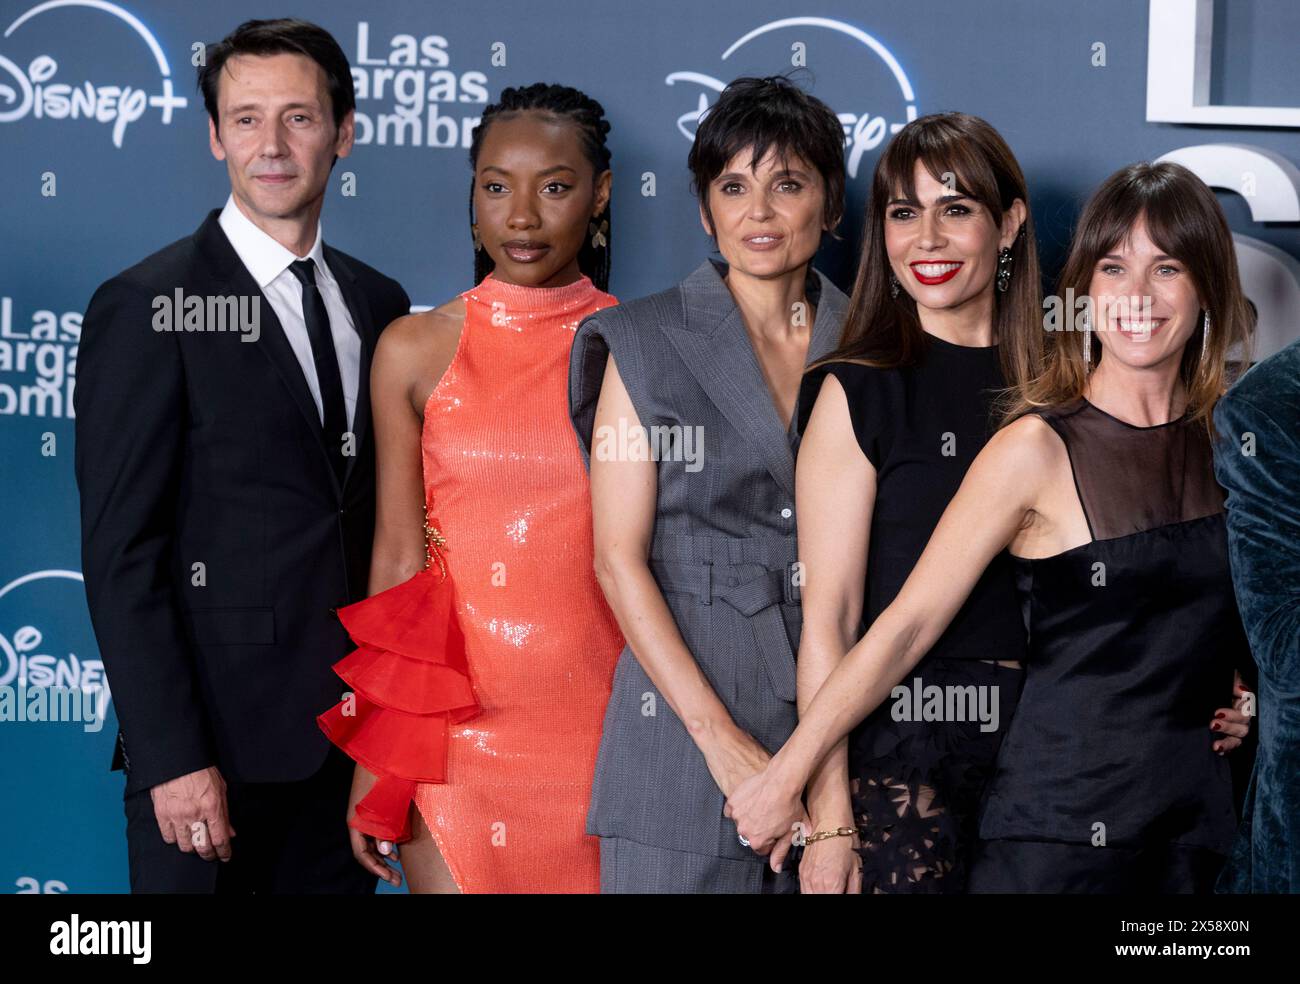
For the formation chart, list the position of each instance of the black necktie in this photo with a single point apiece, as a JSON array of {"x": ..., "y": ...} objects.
[{"x": 327, "y": 363}]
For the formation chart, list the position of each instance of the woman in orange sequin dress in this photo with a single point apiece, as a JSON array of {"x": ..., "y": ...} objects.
[{"x": 480, "y": 681}]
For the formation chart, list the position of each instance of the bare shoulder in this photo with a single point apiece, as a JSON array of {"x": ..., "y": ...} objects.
[
  {"x": 425, "y": 332},
  {"x": 415, "y": 350},
  {"x": 1028, "y": 441},
  {"x": 1022, "y": 456}
]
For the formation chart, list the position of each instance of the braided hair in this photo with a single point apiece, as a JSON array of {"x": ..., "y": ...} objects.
[{"x": 589, "y": 116}]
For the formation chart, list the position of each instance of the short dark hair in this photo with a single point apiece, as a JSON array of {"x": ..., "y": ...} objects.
[
  {"x": 286, "y": 35},
  {"x": 765, "y": 113}
]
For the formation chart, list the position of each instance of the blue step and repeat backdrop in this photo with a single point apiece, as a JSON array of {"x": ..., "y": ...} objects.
[{"x": 104, "y": 158}]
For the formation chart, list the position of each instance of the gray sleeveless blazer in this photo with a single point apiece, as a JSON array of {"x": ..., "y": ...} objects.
[{"x": 722, "y": 547}]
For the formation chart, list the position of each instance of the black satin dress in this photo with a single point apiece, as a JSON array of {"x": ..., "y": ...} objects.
[{"x": 1107, "y": 780}]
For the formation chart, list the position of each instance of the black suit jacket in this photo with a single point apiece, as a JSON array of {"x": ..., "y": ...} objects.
[{"x": 216, "y": 540}]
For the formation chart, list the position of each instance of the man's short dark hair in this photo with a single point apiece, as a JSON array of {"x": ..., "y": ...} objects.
[
  {"x": 767, "y": 113},
  {"x": 286, "y": 35}
]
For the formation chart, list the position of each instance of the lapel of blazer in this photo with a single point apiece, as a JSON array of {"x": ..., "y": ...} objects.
[
  {"x": 232, "y": 277},
  {"x": 365, "y": 327},
  {"x": 828, "y": 327},
  {"x": 715, "y": 346}
]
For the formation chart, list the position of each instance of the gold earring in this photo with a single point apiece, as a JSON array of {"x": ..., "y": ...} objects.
[
  {"x": 597, "y": 233},
  {"x": 473, "y": 231}
]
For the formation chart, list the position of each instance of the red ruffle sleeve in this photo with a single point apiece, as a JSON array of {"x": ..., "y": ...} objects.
[{"x": 410, "y": 681}]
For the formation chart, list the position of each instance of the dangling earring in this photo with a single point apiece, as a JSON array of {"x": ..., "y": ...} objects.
[
  {"x": 894, "y": 285},
  {"x": 1087, "y": 343},
  {"x": 1004, "y": 269},
  {"x": 597, "y": 233},
  {"x": 473, "y": 231},
  {"x": 1205, "y": 335}
]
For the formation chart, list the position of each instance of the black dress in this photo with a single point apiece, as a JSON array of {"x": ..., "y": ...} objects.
[
  {"x": 1107, "y": 780},
  {"x": 916, "y": 783}
]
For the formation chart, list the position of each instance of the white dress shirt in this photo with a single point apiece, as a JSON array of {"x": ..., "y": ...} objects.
[{"x": 268, "y": 262}]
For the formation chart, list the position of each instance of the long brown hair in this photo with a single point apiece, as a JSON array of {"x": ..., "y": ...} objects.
[
  {"x": 1184, "y": 219},
  {"x": 884, "y": 331}
]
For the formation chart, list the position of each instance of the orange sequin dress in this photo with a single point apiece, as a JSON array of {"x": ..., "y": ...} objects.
[{"x": 510, "y": 698}]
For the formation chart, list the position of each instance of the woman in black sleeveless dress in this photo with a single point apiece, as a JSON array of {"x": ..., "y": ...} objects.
[
  {"x": 1102, "y": 488},
  {"x": 908, "y": 406},
  {"x": 1159, "y": 625}
]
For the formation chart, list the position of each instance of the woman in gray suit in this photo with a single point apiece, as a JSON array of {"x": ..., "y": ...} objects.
[{"x": 683, "y": 404}]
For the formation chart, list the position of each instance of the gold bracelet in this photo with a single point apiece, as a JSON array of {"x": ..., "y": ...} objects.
[{"x": 824, "y": 834}]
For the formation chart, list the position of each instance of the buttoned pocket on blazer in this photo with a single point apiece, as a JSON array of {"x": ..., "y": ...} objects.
[{"x": 232, "y": 626}]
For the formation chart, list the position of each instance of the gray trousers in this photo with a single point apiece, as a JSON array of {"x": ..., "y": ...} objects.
[{"x": 630, "y": 868}]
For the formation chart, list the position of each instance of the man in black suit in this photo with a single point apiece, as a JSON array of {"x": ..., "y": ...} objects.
[{"x": 225, "y": 462}]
